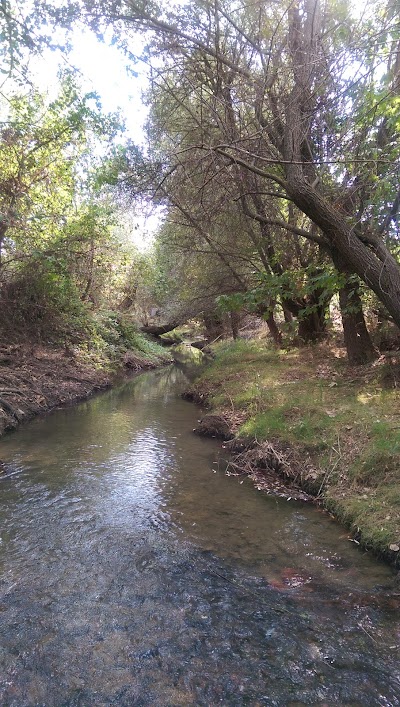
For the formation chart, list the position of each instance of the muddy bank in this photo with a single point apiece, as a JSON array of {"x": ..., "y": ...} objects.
[{"x": 35, "y": 379}]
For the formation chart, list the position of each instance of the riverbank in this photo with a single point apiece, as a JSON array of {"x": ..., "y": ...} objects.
[
  {"x": 34, "y": 378},
  {"x": 326, "y": 428}
]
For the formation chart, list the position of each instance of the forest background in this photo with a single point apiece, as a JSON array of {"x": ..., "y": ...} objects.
[{"x": 271, "y": 154}]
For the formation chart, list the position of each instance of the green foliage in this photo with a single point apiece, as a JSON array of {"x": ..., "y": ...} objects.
[
  {"x": 18, "y": 33},
  {"x": 43, "y": 151},
  {"x": 113, "y": 335},
  {"x": 58, "y": 251},
  {"x": 289, "y": 285},
  {"x": 43, "y": 305}
]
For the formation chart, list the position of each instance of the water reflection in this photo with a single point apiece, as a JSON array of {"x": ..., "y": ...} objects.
[{"x": 134, "y": 572}]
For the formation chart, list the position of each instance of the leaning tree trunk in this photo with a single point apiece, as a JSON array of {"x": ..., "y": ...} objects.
[
  {"x": 274, "y": 329},
  {"x": 363, "y": 254},
  {"x": 268, "y": 314},
  {"x": 158, "y": 330},
  {"x": 375, "y": 265}
]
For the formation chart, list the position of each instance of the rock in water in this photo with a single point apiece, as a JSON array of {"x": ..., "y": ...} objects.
[{"x": 214, "y": 426}]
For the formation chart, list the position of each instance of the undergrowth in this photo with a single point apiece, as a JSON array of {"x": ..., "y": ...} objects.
[{"x": 112, "y": 336}]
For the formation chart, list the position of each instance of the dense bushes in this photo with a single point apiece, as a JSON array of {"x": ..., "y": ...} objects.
[{"x": 41, "y": 305}]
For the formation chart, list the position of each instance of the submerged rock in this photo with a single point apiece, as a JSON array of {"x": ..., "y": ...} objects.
[{"x": 5, "y": 468}]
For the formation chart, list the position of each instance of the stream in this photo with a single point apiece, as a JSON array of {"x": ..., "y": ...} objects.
[{"x": 134, "y": 571}]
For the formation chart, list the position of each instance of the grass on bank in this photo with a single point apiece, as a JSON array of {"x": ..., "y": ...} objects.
[
  {"x": 111, "y": 336},
  {"x": 345, "y": 420}
]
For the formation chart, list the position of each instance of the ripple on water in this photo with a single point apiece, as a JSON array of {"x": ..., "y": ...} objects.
[{"x": 131, "y": 574}]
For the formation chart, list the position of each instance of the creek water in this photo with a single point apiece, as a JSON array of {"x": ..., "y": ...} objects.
[{"x": 133, "y": 571}]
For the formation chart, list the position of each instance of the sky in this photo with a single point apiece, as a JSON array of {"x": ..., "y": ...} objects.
[{"x": 102, "y": 69}]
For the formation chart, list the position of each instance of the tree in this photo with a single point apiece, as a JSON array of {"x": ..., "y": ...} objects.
[
  {"x": 57, "y": 247},
  {"x": 42, "y": 147},
  {"x": 305, "y": 88},
  {"x": 210, "y": 218}
]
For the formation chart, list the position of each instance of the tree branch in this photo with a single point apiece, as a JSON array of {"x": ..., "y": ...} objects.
[
  {"x": 293, "y": 229},
  {"x": 391, "y": 215}
]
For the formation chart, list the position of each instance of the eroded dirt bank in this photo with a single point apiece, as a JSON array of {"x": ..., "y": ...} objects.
[{"x": 35, "y": 379}]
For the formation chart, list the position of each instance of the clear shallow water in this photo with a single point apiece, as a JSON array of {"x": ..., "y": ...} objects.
[{"x": 134, "y": 572}]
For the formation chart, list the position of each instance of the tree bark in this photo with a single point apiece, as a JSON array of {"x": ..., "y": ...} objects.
[
  {"x": 381, "y": 275},
  {"x": 362, "y": 253},
  {"x": 214, "y": 326},
  {"x": 274, "y": 329},
  {"x": 234, "y": 322},
  {"x": 161, "y": 329},
  {"x": 312, "y": 327},
  {"x": 359, "y": 346}
]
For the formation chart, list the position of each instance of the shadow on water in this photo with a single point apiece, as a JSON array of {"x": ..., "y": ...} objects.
[{"x": 134, "y": 572}]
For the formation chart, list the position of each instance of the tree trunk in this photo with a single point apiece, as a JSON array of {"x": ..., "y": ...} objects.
[
  {"x": 273, "y": 329},
  {"x": 3, "y": 231},
  {"x": 288, "y": 316},
  {"x": 234, "y": 322},
  {"x": 364, "y": 254},
  {"x": 214, "y": 326},
  {"x": 267, "y": 313},
  {"x": 158, "y": 330},
  {"x": 312, "y": 327},
  {"x": 357, "y": 340},
  {"x": 359, "y": 346},
  {"x": 381, "y": 275}
]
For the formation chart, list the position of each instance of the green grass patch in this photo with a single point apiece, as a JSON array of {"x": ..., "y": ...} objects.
[
  {"x": 373, "y": 516},
  {"x": 345, "y": 420},
  {"x": 264, "y": 425}
]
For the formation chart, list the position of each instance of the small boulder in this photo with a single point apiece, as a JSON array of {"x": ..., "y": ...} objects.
[{"x": 214, "y": 426}]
